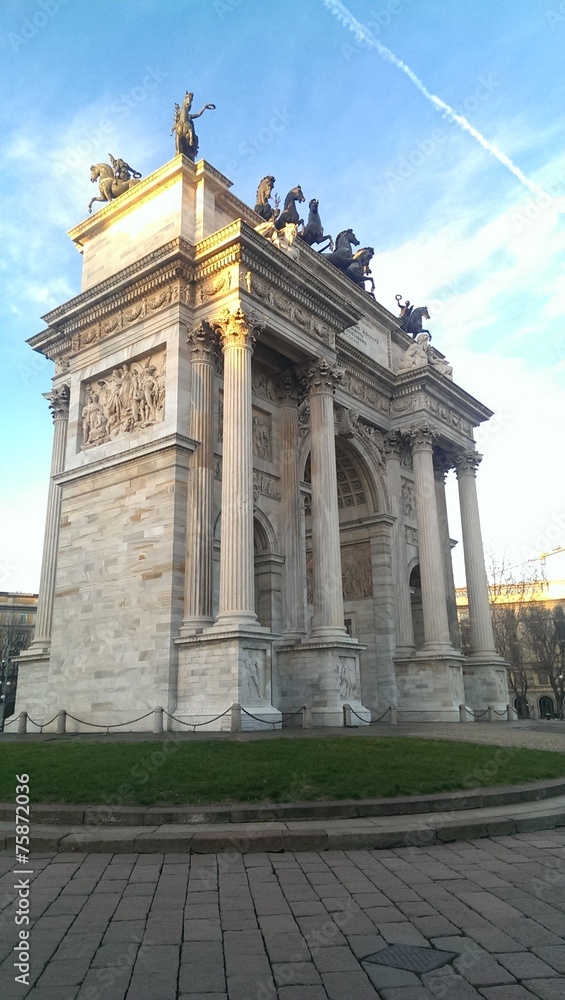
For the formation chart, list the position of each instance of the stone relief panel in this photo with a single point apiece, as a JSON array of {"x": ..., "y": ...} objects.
[
  {"x": 283, "y": 304},
  {"x": 411, "y": 535},
  {"x": 262, "y": 435},
  {"x": 347, "y": 678},
  {"x": 408, "y": 499},
  {"x": 123, "y": 400},
  {"x": 356, "y": 571},
  {"x": 254, "y": 677},
  {"x": 262, "y": 382}
]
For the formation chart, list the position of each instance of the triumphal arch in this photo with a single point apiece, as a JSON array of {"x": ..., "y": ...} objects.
[{"x": 247, "y": 500}]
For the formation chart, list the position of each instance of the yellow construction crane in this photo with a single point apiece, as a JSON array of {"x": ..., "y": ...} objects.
[{"x": 544, "y": 555}]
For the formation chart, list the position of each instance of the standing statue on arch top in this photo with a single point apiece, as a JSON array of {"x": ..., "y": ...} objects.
[
  {"x": 410, "y": 319},
  {"x": 186, "y": 140}
]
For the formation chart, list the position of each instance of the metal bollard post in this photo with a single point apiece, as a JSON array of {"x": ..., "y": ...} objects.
[
  {"x": 158, "y": 719},
  {"x": 22, "y": 724},
  {"x": 393, "y": 715},
  {"x": 61, "y": 722},
  {"x": 236, "y": 718},
  {"x": 509, "y": 713},
  {"x": 306, "y": 717},
  {"x": 347, "y": 715},
  {"x": 463, "y": 713},
  {"x": 490, "y": 714}
]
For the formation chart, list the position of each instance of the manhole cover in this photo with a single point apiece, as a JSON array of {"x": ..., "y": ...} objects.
[{"x": 411, "y": 958}]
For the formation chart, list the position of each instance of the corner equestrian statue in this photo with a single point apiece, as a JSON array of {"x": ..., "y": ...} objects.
[
  {"x": 186, "y": 140},
  {"x": 112, "y": 180},
  {"x": 410, "y": 319}
]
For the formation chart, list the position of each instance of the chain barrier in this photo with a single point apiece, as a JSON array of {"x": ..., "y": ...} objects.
[
  {"x": 40, "y": 725},
  {"x": 500, "y": 714},
  {"x": 475, "y": 715},
  {"x": 10, "y": 722},
  {"x": 265, "y": 722},
  {"x": 372, "y": 722},
  {"x": 112, "y": 725},
  {"x": 290, "y": 715},
  {"x": 195, "y": 725}
]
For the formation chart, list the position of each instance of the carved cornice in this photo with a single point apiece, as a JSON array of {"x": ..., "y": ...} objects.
[
  {"x": 236, "y": 329},
  {"x": 467, "y": 463},
  {"x": 203, "y": 342},
  {"x": 422, "y": 437},
  {"x": 303, "y": 311},
  {"x": 321, "y": 378},
  {"x": 172, "y": 442},
  {"x": 58, "y": 400}
]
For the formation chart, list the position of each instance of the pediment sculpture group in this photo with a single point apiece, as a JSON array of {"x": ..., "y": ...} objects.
[{"x": 283, "y": 228}]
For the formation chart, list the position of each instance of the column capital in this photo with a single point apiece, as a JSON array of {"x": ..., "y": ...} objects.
[
  {"x": 203, "y": 341},
  {"x": 422, "y": 437},
  {"x": 322, "y": 377},
  {"x": 467, "y": 463},
  {"x": 58, "y": 400},
  {"x": 288, "y": 388},
  {"x": 443, "y": 462},
  {"x": 236, "y": 329}
]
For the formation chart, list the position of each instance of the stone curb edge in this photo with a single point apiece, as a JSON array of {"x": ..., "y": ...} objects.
[
  {"x": 137, "y": 840},
  {"x": 116, "y": 816}
]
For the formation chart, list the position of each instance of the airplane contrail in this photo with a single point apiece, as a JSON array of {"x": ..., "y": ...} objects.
[{"x": 363, "y": 34}]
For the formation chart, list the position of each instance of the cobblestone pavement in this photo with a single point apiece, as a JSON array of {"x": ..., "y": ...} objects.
[{"x": 294, "y": 926}]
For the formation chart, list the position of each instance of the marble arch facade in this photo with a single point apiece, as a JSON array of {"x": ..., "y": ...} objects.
[{"x": 204, "y": 372}]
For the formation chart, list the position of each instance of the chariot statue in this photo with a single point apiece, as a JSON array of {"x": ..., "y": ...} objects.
[
  {"x": 112, "y": 180},
  {"x": 186, "y": 140}
]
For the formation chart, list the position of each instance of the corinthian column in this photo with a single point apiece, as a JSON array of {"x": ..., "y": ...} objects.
[
  {"x": 321, "y": 379},
  {"x": 237, "y": 597},
  {"x": 404, "y": 627},
  {"x": 482, "y": 639},
  {"x": 59, "y": 406},
  {"x": 199, "y": 523},
  {"x": 442, "y": 464},
  {"x": 294, "y": 570},
  {"x": 436, "y": 625}
]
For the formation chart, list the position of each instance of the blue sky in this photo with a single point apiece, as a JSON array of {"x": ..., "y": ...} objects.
[{"x": 300, "y": 96}]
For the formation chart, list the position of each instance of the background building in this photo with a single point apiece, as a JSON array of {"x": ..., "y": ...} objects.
[{"x": 17, "y": 622}]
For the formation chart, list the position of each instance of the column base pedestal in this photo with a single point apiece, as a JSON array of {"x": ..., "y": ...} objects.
[
  {"x": 486, "y": 683},
  {"x": 322, "y": 674},
  {"x": 221, "y": 667},
  {"x": 430, "y": 687}
]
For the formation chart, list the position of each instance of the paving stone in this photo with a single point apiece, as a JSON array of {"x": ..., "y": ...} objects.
[
  {"x": 366, "y": 944},
  {"x": 52, "y": 993},
  {"x": 507, "y": 993},
  {"x": 287, "y": 948},
  {"x": 554, "y": 955},
  {"x": 382, "y": 976},
  {"x": 545, "y": 989},
  {"x": 483, "y": 971},
  {"x": 239, "y": 920},
  {"x": 445, "y": 984},
  {"x": 281, "y": 923},
  {"x": 202, "y": 967},
  {"x": 244, "y": 942},
  {"x": 245, "y": 987},
  {"x": 124, "y": 930},
  {"x": 78, "y": 945},
  {"x": 407, "y": 993},
  {"x": 334, "y": 960},
  {"x": 204, "y": 996},
  {"x": 119, "y": 954},
  {"x": 402, "y": 934},
  {"x": 524, "y": 965},
  {"x": 432, "y": 927},
  {"x": 295, "y": 973},
  {"x": 348, "y": 985},
  {"x": 302, "y": 993},
  {"x": 68, "y": 972},
  {"x": 202, "y": 930},
  {"x": 530, "y": 933},
  {"x": 493, "y": 939}
]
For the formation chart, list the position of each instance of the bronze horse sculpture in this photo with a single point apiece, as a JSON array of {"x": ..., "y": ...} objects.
[
  {"x": 290, "y": 212},
  {"x": 359, "y": 271},
  {"x": 186, "y": 140},
  {"x": 410, "y": 318},
  {"x": 264, "y": 191},
  {"x": 313, "y": 231},
  {"x": 112, "y": 180}
]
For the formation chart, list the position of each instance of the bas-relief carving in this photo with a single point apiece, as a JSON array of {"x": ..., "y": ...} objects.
[
  {"x": 124, "y": 318},
  {"x": 262, "y": 382},
  {"x": 262, "y": 435},
  {"x": 264, "y": 484},
  {"x": 347, "y": 678},
  {"x": 411, "y": 535},
  {"x": 408, "y": 499},
  {"x": 293, "y": 312},
  {"x": 210, "y": 289},
  {"x": 254, "y": 677},
  {"x": 356, "y": 571},
  {"x": 362, "y": 390},
  {"x": 123, "y": 400}
]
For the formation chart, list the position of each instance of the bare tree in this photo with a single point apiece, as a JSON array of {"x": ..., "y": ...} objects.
[
  {"x": 14, "y": 636},
  {"x": 544, "y": 633}
]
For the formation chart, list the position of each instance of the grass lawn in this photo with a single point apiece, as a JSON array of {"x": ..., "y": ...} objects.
[{"x": 180, "y": 773}]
